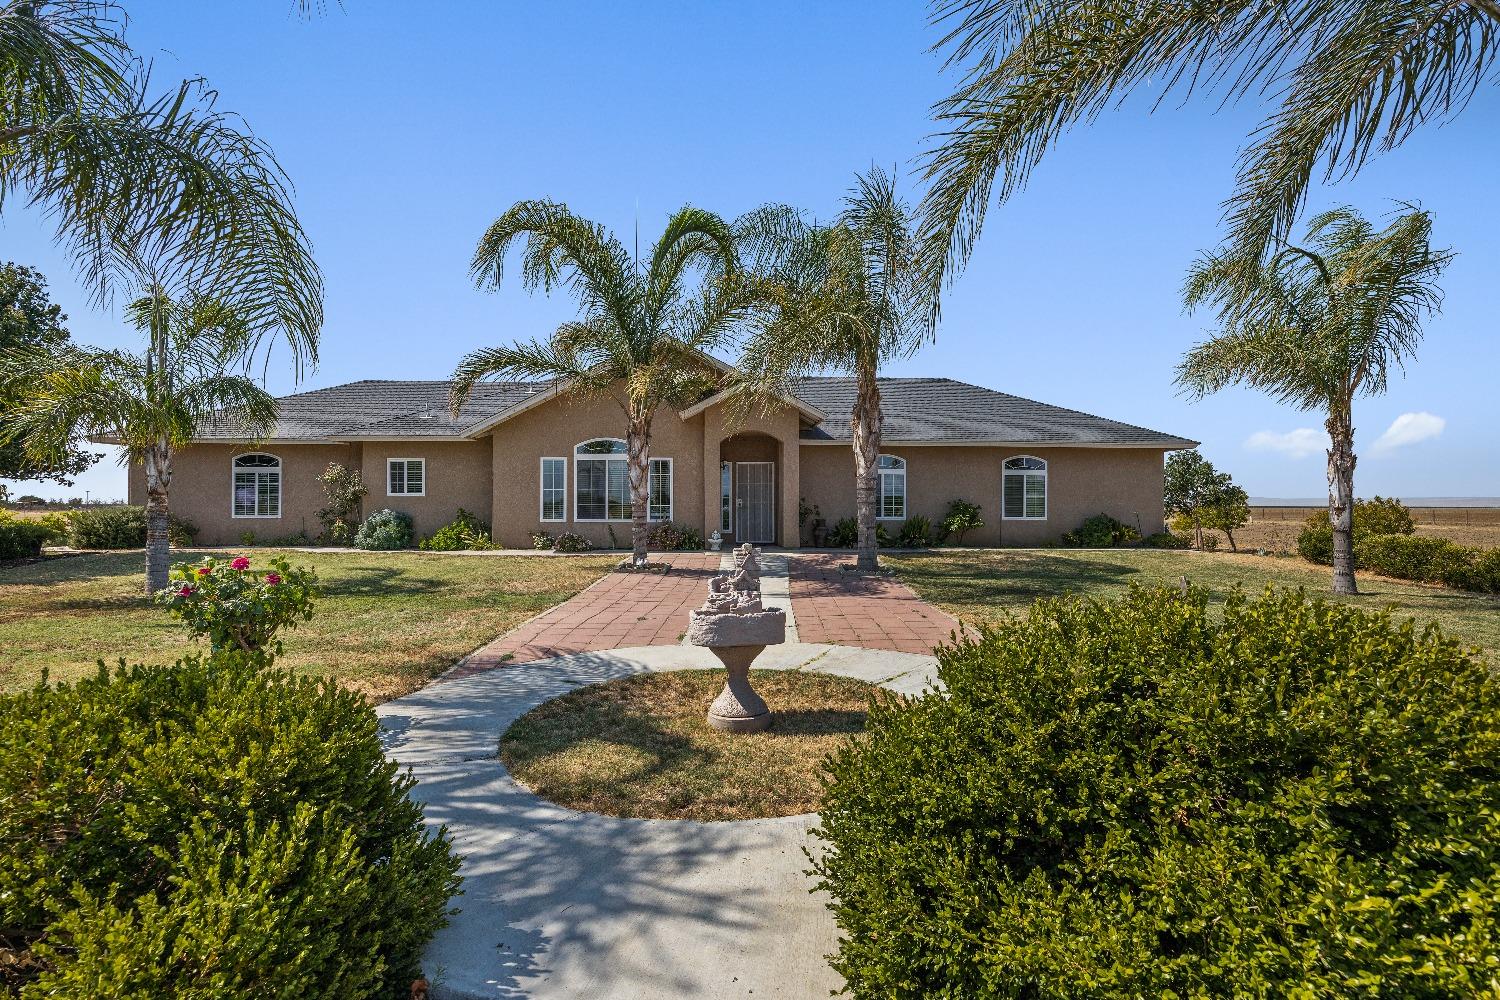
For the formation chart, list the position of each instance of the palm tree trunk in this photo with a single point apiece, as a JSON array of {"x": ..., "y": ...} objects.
[
  {"x": 865, "y": 425},
  {"x": 638, "y": 453},
  {"x": 1341, "y": 502},
  {"x": 158, "y": 460}
]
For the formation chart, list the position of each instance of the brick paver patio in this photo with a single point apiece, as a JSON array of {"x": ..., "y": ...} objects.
[
  {"x": 620, "y": 610},
  {"x": 876, "y": 612}
]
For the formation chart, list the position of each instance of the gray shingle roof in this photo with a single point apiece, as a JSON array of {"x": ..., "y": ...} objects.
[
  {"x": 942, "y": 410},
  {"x": 383, "y": 408},
  {"x": 915, "y": 409}
]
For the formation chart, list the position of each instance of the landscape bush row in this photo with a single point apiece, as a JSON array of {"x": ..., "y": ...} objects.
[
  {"x": 1385, "y": 542},
  {"x": 1148, "y": 798},
  {"x": 118, "y": 527},
  {"x": 214, "y": 828}
]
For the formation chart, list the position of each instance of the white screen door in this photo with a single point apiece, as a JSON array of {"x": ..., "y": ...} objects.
[{"x": 755, "y": 501}]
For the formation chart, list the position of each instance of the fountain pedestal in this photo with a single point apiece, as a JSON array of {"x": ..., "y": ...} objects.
[
  {"x": 738, "y": 709},
  {"x": 735, "y": 627}
]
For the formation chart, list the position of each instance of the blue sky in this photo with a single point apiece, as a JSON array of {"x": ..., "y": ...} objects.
[{"x": 407, "y": 129}]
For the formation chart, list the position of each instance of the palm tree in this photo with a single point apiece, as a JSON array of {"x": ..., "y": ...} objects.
[
  {"x": 146, "y": 190},
  {"x": 847, "y": 296},
  {"x": 1351, "y": 78},
  {"x": 643, "y": 332},
  {"x": 153, "y": 403},
  {"x": 1318, "y": 325}
]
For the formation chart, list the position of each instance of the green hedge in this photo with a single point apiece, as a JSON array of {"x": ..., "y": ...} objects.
[
  {"x": 1136, "y": 799},
  {"x": 120, "y": 528},
  {"x": 1430, "y": 560},
  {"x": 211, "y": 829},
  {"x": 21, "y": 538}
]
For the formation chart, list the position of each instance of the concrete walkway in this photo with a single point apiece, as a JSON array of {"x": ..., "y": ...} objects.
[{"x": 562, "y": 904}]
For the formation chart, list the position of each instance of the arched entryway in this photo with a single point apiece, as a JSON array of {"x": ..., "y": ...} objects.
[{"x": 750, "y": 488}]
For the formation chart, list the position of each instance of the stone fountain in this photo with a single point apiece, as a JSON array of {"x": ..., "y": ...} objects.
[{"x": 736, "y": 627}]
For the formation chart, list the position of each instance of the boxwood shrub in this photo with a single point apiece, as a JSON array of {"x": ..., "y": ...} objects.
[
  {"x": 1142, "y": 799},
  {"x": 211, "y": 829},
  {"x": 22, "y": 538}
]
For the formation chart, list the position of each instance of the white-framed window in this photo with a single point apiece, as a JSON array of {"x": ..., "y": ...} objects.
[
  {"x": 255, "y": 486},
  {"x": 1024, "y": 489},
  {"x": 659, "y": 490},
  {"x": 726, "y": 498},
  {"x": 892, "y": 501},
  {"x": 601, "y": 483},
  {"x": 554, "y": 489},
  {"x": 406, "y": 477}
]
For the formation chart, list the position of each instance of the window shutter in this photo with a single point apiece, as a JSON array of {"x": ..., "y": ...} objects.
[
  {"x": 1015, "y": 496},
  {"x": 416, "y": 477},
  {"x": 397, "y": 473}
]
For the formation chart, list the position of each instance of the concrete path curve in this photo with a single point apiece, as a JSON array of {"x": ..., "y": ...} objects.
[{"x": 563, "y": 904}]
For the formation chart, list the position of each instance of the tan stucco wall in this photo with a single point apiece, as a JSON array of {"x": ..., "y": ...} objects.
[
  {"x": 1125, "y": 483},
  {"x": 458, "y": 475},
  {"x": 552, "y": 430},
  {"x": 200, "y": 491}
]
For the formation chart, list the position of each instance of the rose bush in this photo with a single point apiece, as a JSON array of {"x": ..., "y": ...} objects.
[{"x": 236, "y": 606}]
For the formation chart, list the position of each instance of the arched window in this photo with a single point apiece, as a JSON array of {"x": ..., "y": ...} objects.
[
  {"x": 892, "y": 502},
  {"x": 1024, "y": 497},
  {"x": 601, "y": 483},
  {"x": 256, "y": 489}
]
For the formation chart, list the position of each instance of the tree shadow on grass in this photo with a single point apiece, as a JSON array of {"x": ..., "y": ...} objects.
[
  {"x": 380, "y": 581},
  {"x": 1019, "y": 579},
  {"x": 817, "y": 722}
]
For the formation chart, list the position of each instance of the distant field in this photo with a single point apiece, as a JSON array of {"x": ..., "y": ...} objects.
[{"x": 1275, "y": 528}]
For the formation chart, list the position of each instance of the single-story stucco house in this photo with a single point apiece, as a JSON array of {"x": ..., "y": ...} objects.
[{"x": 532, "y": 458}]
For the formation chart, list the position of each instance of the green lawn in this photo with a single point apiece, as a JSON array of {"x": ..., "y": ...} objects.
[
  {"x": 985, "y": 586},
  {"x": 387, "y": 623}
]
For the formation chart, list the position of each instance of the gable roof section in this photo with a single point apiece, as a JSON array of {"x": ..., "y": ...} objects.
[
  {"x": 917, "y": 411},
  {"x": 942, "y": 411}
]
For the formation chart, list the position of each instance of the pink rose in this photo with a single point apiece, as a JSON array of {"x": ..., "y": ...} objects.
[
  {"x": 186, "y": 591},
  {"x": 204, "y": 570},
  {"x": 240, "y": 563},
  {"x": 273, "y": 578}
]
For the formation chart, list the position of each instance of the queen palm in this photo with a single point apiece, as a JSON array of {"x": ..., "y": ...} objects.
[
  {"x": 847, "y": 296},
  {"x": 1318, "y": 325},
  {"x": 153, "y": 403},
  {"x": 146, "y": 190},
  {"x": 643, "y": 328},
  {"x": 1350, "y": 78}
]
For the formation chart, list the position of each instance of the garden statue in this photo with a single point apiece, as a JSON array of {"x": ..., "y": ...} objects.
[{"x": 735, "y": 626}]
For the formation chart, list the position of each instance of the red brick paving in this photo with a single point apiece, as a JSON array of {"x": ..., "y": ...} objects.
[
  {"x": 619, "y": 610},
  {"x": 876, "y": 612}
]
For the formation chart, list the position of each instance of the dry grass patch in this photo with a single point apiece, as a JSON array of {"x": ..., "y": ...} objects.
[
  {"x": 388, "y": 622},
  {"x": 640, "y": 747}
]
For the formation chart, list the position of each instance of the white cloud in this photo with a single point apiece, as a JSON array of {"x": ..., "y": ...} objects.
[
  {"x": 1409, "y": 428},
  {"x": 1297, "y": 443}
]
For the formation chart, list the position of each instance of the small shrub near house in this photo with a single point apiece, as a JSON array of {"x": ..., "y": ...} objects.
[
  {"x": 844, "y": 534},
  {"x": 120, "y": 528},
  {"x": 1167, "y": 540},
  {"x": 1101, "y": 532},
  {"x": 962, "y": 518},
  {"x": 1141, "y": 799},
  {"x": 915, "y": 532},
  {"x": 343, "y": 490},
  {"x": 542, "y": 540},
  {"x": 464, "y": 532},
  {"x": 669, "y": 536},
  {"x": 235, "y": 604},
  {"x": 571, "y": 541},
  {"x": 384, "y": 530}
]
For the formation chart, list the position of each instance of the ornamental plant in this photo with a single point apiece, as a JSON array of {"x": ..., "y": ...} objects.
[
  {"x": 1151, "y": 797},
  {"x": 237, "y": 606}
]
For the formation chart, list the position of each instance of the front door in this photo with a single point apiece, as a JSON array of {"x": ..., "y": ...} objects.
[{"x": 755, "y": 502}]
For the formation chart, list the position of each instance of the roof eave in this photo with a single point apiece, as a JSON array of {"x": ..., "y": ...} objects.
[{"x": 1174, "y": 444}]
